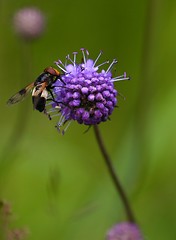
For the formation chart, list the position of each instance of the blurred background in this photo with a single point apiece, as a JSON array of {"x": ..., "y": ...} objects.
[{"x": 58, "y": 186}]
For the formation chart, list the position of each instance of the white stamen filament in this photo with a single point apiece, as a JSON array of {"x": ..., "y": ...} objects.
[
  {"x": 61, "y": 120},
  {"x": 102, "y": 64},
  {"x": 111, "y": 65},
  {"x": 87, "y": 52},
  {"x": 52, "y": 110},
  {"x": 57, "y": 64},
  {"x": 65, "y": 129},
  {"x": 66, "y": 62},
  {"x": 121, "y": 76},
  {"x": 55, "y": 115},
  {"x": 97, "y": 58},
  {"x": 117, "y": 79},
  {"x": 60, "y": 62},
  {"x": 84, "y": 57},
  {"x": 74, "y": 57},
  {"x": 68, "y": 57}
]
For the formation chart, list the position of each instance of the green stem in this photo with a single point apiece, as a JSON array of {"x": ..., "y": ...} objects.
[
  {"x": 23, "y": 113},
  {"x": 113, "y": 175},
  {"x": 146, "y": 93}
]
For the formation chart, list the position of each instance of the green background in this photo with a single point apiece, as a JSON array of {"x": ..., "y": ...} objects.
[{"x": 59, "y": 186}]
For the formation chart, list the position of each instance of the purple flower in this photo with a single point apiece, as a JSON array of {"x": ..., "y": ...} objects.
[
  {"x": 88, "y": 96},
  {"x": 124, "y": 231}
]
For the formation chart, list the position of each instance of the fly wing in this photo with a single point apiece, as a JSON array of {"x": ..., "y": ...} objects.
[{"x": 18, "y": 97}]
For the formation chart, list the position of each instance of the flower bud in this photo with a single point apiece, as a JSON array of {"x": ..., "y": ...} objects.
[
  {"x": 124, "y": 231},
  {"x": 29, "y": 23}
]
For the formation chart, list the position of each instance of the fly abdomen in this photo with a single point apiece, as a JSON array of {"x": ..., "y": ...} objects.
[
  {"x": 39, "y": 98},
  {"x": 39, "y": 103}
]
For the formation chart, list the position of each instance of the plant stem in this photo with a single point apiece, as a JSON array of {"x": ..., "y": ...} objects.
[
  {"x": 113, "y": 175},
  {"x": 23, "y": 113}
]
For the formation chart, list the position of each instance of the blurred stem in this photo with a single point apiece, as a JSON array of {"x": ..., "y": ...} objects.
[
  {"x": 26, "y": 78},
  {"x": 22, "y": 116},
  {"x": 113, "y": 175},
  {"x": 147, "y": 90}
]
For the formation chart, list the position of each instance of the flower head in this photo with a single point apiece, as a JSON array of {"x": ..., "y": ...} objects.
[
  {"x": 29, "y": 23},
  {"x": 124, "y": 231},
  {"x": 88, "y": 96}
]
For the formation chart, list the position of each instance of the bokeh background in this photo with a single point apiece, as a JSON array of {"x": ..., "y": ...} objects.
[{"x": 58, "y": 186}]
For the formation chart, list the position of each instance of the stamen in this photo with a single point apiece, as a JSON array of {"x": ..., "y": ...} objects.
[
  {"x": 97, "y": 58},
  {"x": 68, "y": 57},
  {"x": 117, "y": 79},
  {"x": 102, "y": 64},
  {"x": 84, "y": 57},
  {"x": 52, "y": 110},
  {"x": 121, "y": 76},
  {"x": 55, "y": 115},
  {"x": 58, "y": 126},
  {"x": 87, "y": 52},
  {"x": 122, "y": 96},
  {"x": 59, "y": 88},
  {"x": 65, "y": 129},
  {"x": 74, "y": 57},
  {"x": 66, "y": 62},
  {"x": 60, "y": 62},
  {"x": 111, "y": 65},
  {"x": 49, "y": 103},
  {"x": 61, "y": 120}
]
